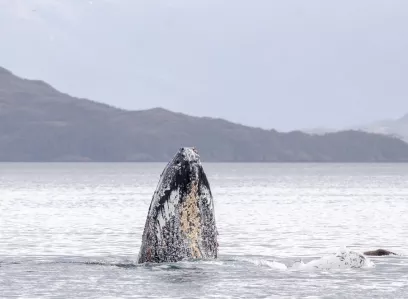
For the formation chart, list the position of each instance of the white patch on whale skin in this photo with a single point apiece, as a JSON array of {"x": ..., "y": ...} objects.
[
  {"x": 191, "y": 155},
  {"x": 206, "y": 194},
  {"x": 162, "y": 187},
  {"x": 168, "y": 211},
  {"x": 164, "y": 183}
]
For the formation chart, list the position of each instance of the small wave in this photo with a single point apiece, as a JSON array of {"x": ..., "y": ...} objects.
[
  {"x": 263, "y": 262},
  {"x": 10, "y": 263},
  {"x": 342, "y": 259},
  {"x": 108, "y": 263}
]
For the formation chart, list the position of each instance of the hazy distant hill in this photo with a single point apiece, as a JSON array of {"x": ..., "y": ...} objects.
[
  {"x": 391, "y": 127},
  {"x": 38, "y": 123},
  {"x": 397, "y": 127}
]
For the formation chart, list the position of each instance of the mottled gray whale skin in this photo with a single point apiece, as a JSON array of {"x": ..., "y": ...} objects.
[
  {"x": 379, "y": 252},
  {"x": 180, "y": 223}
]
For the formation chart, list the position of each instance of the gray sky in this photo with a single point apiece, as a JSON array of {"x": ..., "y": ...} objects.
[{"x": 276, "y": 64}]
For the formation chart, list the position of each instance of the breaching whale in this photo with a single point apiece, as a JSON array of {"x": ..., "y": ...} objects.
[{"x": 180, "y": 223}]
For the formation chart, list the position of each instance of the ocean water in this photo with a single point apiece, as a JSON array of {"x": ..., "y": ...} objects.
[{"x": 74, "y": 231}]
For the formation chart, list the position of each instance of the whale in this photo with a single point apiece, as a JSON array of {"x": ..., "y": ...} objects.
[
  {"x": 379, "y": 252},
  {"x": 180, "y": 223}
]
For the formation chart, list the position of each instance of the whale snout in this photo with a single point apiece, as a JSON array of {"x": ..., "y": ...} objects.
[{"x": 188, "y": 154}]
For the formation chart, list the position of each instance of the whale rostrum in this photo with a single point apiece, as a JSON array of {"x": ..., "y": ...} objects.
[{"x": 180, "y": 223}]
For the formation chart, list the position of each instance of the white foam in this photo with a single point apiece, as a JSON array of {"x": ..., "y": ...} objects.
[
  {"x": 275, "y": 265},
  {"x": 343, "y": 259},
  {"x": 262, "y": 262}
]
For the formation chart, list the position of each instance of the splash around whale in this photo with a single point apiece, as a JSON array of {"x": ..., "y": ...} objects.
[
  {"x": 180, "y": 223},
  {"x": 343, "y": 259}
]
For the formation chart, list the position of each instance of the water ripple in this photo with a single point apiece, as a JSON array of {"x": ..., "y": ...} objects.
[{"x": 74, "y": 230}]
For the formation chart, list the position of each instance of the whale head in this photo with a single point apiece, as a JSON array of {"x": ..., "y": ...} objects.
[{"x": 180, "y": 223}]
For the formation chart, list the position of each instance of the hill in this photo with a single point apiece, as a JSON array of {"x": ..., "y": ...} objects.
[
  {"x": 390, "y": 127},
  {"x": 393, "y": 127},
  {"x": 39, "y": 123}
]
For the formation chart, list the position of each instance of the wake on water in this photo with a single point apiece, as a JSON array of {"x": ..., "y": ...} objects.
[{"x": 343, "y": 259}]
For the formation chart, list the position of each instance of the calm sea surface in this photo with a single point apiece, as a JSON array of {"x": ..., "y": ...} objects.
[{"x": 74, "y": 230}]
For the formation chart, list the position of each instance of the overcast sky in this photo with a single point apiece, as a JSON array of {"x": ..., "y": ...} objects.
[{"x": 275, "y": 64}]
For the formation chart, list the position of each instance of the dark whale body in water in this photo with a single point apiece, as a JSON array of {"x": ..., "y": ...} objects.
[
  {"x": 180, "y": 223},
  {"x": 379, "y": 252}
]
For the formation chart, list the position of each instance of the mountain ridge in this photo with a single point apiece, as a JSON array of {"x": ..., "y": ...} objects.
[{"x": 40, "y": 124}]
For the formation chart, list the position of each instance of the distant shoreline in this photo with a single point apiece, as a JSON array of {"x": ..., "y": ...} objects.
[
  {"x": 39, "y": 124},
  {"x": 204, "y": 162}
]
